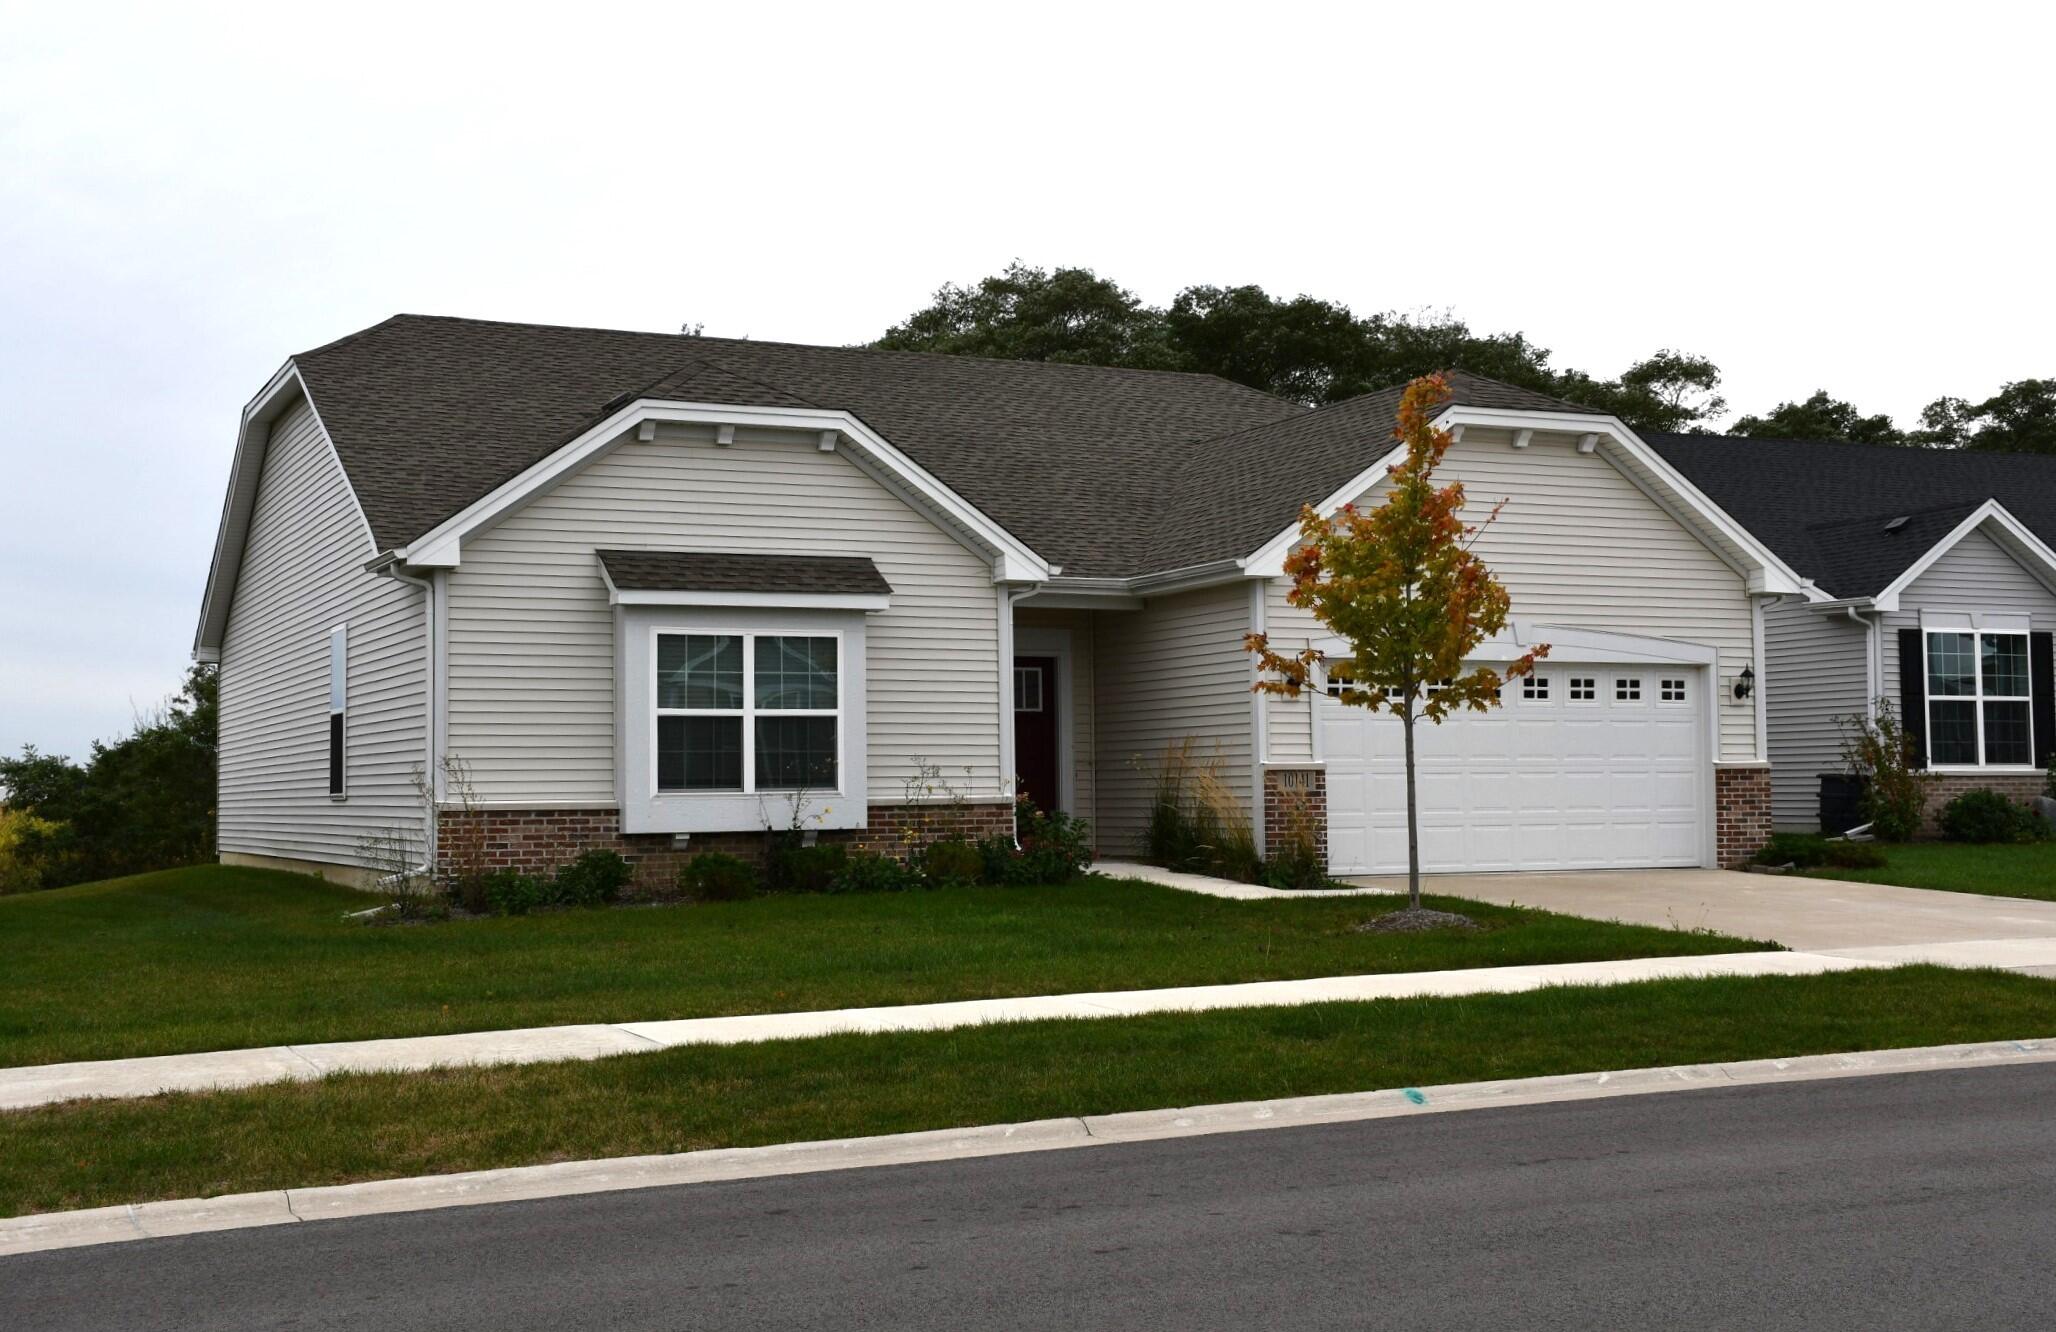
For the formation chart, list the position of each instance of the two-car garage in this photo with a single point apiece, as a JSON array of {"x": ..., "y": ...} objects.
[{"x": 1583, "y": 766}]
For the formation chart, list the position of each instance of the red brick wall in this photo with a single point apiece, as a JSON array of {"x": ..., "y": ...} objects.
[
  {"x": 536, "y": 841},
  {"x": 1741, "y": 814},
  {"x": 1292, "y": 794},
  {"x": 2022, "y": 788}
]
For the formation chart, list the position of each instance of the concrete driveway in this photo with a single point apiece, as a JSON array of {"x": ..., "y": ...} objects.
[{"x": 1811, "y": 914}]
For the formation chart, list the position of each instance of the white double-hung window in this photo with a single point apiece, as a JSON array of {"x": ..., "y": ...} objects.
[
  {"x": 745, "y": 712},
  {"x": 1980, "y": 712}
]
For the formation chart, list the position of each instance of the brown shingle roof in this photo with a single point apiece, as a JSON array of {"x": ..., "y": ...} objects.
[
  {"x": 712, "y": 571},
  {"x": 429, "y": 413},
  {"x": 1104, "y": 471}
]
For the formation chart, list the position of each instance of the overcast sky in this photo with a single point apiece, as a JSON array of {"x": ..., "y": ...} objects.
[{"x": 1839, "y": 198}]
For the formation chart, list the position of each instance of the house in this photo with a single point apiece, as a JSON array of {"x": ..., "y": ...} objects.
[
  {"x": 1933, "y": 586},
  {"x": 660, "y": 593}
]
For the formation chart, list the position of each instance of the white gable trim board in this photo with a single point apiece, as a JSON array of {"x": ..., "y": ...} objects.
[
  {"x": 1602, "y": 436},
  {"x": 1013, "y": 561}
]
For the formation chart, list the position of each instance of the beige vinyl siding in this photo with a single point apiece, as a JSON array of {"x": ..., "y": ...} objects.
[
  {"x": 1976, "y": 575},
  {"x": 1816, "y": 672},
  {"x": 1081, "y": 626},
  {"x": 1172, "y": 670},
  {"x": 302, "y": 575},
  {"x": 531, "y": 671},
  {"x": 1288, "y": 722},
  {"x": 1580, "y": 545}
]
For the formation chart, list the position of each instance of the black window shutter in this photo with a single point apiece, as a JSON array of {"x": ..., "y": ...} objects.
[
  {"x": 1913, "y": 693},
  {"x": 2043, "y": 674},
  {"x": 335, "y": 753}
]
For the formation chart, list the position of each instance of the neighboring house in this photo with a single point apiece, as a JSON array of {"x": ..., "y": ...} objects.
[
  {"x": 1933, "y": 587},
  {"x": 656, "y": 591}
]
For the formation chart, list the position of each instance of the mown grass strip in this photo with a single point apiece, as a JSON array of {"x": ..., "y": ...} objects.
[
  {"x": 215, "y": 958},
  {"x": 358, "y": 1127},
  {"x": 1959, "y": 867}
]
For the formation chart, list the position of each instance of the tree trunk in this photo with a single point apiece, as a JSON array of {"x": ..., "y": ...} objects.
[{"x": 1413, "y": 822}]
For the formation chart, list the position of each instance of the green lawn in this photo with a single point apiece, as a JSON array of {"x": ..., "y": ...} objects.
[
  {"x": 1960, "y": 867},
  {"x": 216, "y": 958},
  {"x": 90, "y": 1153}
]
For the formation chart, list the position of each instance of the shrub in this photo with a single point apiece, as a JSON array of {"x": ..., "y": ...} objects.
[
  {"x": 790, "y": 867},
  {"x": 1984, "y": 815},
  {"x": 1895, "y": 791},
  {"x": 1195, "y": 822},
  {"x": 1811, "y": 851},
  {"x": 716, "y": 876},
  {"x": 1802, "y": 849},
  {"x": 511, "y": 893},
  {"x": 1055, "y": 848},
  {"x": 868, "y": 872},
  {"x": 24, "y": 839},
  {"x": 594, "y": 879},
  {"x": 952, "y": 863}
]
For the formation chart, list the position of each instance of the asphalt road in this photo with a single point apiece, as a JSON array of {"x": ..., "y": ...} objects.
[{"x": 1921, "y": 1200}]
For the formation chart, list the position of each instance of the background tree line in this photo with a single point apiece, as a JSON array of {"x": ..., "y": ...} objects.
[
  {"x": 145, "y": 802},
  {"x": 1315, "y": 351}
]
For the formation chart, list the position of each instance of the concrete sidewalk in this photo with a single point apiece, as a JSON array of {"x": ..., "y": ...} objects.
[{"x": 43, "y": 1084}]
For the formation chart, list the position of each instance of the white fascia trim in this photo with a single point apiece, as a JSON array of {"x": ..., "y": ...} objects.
[
  {"x": 442, "y": 546},
  {"x": 2025, "y": 546},
  {"x": 253, "y": 443},
  {"x": 1769, "y": 574}
]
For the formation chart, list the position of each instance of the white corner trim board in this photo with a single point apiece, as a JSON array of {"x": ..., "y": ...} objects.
[{"x": 189, "y": 1216}]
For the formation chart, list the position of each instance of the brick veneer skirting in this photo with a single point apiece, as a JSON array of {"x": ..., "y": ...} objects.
[
  {"x": 2021, "y": 787},
  {"x": 536, "y": 841},
  {"x": 1295, "y": 798},
  {"x": 1741, "y": 814}
]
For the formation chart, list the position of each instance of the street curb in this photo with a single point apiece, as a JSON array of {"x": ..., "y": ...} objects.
[{"x": 108, "y": 1225}]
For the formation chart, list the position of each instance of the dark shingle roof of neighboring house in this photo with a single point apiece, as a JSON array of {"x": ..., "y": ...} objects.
[
  {"x": 1825, "y": 506},
  {"x": 1240, "y": 490},
  {"x": 709, "y": 571},
  {"x": 429, "y": 413}
]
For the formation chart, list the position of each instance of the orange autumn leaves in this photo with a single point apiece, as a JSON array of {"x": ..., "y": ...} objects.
[{"x": 1401, "y": 585}]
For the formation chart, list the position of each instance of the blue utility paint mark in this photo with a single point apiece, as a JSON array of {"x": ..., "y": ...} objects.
[{"x": 1415, "y": 1095}]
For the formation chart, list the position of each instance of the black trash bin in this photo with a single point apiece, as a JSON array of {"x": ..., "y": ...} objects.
[{"x": 1841, "y": 802}]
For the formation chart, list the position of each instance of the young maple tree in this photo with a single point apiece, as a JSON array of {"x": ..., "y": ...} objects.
[{"x": 1401, "y": 584}]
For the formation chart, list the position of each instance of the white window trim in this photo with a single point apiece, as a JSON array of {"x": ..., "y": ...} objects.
[
  {"x": 749, "y": 712},
  {"x": 645, "y": 809},
  {"x": 1977, "y": 698}
]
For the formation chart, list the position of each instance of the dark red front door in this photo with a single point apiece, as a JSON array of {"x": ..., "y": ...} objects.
[{"x": 1035, "y": 729}]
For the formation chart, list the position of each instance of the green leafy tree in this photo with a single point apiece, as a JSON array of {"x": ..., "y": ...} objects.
[
  {"x": 1032, "y": 314},
  {"x": 1305, "y": 349},
  {"x": 1671, "y": 391},
  {"x": 1308, "y": 350},
  {"x": 1820, "y": 417},
  {"x": 146, "y": 801},
  {"x": 1401, "y": 585},
  {"x": 2019, "y": 418}
]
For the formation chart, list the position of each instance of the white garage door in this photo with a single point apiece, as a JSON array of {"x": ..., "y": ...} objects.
[{"x": 1583, "y": 767}]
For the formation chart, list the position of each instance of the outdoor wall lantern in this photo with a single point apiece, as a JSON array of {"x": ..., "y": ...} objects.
[{"x": 1745, "y": 683}]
